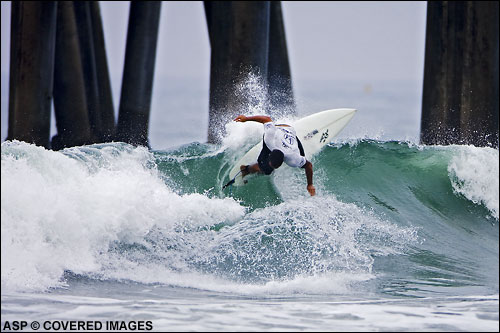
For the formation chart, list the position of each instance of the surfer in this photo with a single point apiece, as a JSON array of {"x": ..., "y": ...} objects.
[{"x": 280, "y": 144}]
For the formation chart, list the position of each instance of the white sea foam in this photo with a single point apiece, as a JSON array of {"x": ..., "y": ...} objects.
[
  {"x": 330, "y": 283},
  {"x": 474, "y": 173},
  {"x": 318, "y": 246},
  {"x": 62, "y": 210}
]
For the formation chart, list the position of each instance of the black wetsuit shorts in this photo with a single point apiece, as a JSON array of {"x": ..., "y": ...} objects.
[{"x": 263, "y": 158}]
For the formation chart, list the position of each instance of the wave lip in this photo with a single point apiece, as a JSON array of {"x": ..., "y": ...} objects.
[{"x": 474, "y": 174}]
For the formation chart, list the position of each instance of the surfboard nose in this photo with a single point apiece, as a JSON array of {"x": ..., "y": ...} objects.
[
  {"x": 351, "y": 112},
  {"x": 347, "y": 111}
]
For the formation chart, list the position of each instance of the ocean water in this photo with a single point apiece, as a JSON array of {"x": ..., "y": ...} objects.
[{"x": 400, "y": 236}]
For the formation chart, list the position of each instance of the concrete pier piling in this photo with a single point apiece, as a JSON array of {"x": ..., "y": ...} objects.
[
  {"x": 81, "y": 66},
  {"x": 239, "y": 36},
  {"x": 105, "y": 95},
  {"x": 248, "y": 55},
  {"x": 219, "y": 22},
  {"x": 137, "y": 84},
  {"x": 460, "y": 95},
  {"x": 250, "y": 39},
  {"x": 87, "y": 50},
  {"x": 279, "y": 76},
  {"x": 33, "y": 32},
  {"x": 70, "y": 102}
]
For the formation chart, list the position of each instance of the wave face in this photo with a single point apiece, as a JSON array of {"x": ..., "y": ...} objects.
[{"x": 389, "y": 218}]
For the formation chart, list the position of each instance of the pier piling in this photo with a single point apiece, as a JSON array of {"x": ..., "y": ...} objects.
[
  {"x": 279, "y": 77},
  {"x": 87, "y": 50},
  {"x": 138, "y": 73},
  {"x": 219, "y": 22},
  {"x": 105, "y": 95},
  {"x": 239, "y": 36},
  {"x": 70, "y": 103},
  {"x": 33, "y": 32},
  {"x": 460, "y": 95}
]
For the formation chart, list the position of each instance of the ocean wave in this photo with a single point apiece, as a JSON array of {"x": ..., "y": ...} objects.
[{"x": 114, "y": 211}]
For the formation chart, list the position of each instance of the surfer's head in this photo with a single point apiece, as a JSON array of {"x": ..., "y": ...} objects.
[{"x": 276, "y": 158}]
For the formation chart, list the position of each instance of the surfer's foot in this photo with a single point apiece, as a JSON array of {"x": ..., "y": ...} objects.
[{"x": 244, "y": 170}]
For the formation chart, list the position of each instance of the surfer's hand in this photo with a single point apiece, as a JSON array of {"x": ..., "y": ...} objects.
[
  {"x": 241, "y": 118},
  {"x": 311, "y": 189}
]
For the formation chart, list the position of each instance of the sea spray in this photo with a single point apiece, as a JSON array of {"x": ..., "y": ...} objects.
[
  {"x": 257, "y": 100},
  {"x": 303, "y": 237}
]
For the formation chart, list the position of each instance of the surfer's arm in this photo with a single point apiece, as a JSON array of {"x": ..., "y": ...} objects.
[
  {"x": 259, "y": 119},
  {"x": 309, "y": 174}
]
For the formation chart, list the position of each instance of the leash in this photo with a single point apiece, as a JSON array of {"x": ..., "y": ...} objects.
[{"x": 231, "y": 182}]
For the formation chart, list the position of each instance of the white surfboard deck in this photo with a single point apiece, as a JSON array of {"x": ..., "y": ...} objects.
[{"x": 314, "y": 131}]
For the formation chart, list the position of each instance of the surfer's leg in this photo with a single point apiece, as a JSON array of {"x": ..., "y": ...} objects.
[
  {"x": 247, "y": 169},
  {"x": 301, "y": 149},
  {"x": 263, "y": 160}
]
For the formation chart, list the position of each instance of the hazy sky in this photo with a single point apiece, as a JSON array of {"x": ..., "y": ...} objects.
[
  {"x": 362, "y": 41},
  {"x": 340, "y": 40}
]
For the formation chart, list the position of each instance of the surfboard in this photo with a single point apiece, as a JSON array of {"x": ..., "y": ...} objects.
[{"x": 314, "y": 131}]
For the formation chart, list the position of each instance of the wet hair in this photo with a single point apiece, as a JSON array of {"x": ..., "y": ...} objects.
[{"x": 276, "y": 158}]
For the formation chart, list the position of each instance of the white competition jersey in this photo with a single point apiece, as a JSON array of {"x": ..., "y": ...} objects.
[{"x": 284, "y": 139}]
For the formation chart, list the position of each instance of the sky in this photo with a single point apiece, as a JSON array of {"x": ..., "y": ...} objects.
[
  {"x": 354, "y": 41},
  {"x": 344, "y": 40}
]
